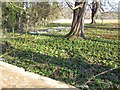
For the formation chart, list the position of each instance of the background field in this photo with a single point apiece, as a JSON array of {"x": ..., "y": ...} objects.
[{"x": 87, "y": 21}]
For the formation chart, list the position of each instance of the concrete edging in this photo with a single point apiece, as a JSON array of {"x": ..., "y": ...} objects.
[{"x": 47, "y": 81}]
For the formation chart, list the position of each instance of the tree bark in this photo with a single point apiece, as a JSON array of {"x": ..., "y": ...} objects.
[
  {"x": 77, "y": 27},
  {"x": 94, "y": 9},
  {"x": 93, "y": 18}
]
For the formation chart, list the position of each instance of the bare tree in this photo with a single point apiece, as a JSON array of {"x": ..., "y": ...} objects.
[
  {"x": 77, "y": 27},
  {"x": 95, "y": 6}
]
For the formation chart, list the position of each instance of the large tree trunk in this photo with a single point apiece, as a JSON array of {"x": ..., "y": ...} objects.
[
  {"x": 77, "y": 27},
  {"x": 94, "y": 9}
]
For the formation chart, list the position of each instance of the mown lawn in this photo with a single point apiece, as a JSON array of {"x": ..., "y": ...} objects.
[{"x": 72, "y": 61}]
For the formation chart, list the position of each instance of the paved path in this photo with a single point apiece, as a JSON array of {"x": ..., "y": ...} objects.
[{"x": 15, "y": 77}]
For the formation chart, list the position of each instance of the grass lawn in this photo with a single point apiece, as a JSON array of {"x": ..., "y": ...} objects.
[{"x": 72, "y": 61}]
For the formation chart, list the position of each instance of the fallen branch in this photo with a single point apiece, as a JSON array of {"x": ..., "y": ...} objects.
[{"x": 93, "y": 77}]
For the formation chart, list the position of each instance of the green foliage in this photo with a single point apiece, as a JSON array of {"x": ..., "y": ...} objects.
[
  {"x": 71, "y": 61},
  {"x": 38, "y": 11},
  {"x": 41, "y": 12},
  {"x": 15, "y": 17},
  {"x": 10, "y": 14}
]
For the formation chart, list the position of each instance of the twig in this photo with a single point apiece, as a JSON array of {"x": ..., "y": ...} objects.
[
  {"x": 76, "y": 7},
  {"x": 114, "y": 8},
  {"x": 60, "y": 11},
  {"x": 93, "y": 77}
]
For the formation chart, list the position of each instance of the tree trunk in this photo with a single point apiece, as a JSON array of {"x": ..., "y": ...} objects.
[
  {"x": 94, "y": 9},
  {"x": 77, "y": 27},
  {"x": 13, "y": 32},
  {"x": 93, "y": 17}
]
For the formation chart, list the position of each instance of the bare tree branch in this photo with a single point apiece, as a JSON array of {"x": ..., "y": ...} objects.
[
  {"x": 76, "y": 7},
  {"x": 93, "y": 77},
  {"x": 69, "y": 5},
  {"x": 60, "y": 11},
  {"x": 112, "y": 6}
]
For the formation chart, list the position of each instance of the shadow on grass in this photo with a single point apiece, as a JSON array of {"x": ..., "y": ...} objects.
[
  {"x": 58, "y": 25},
  {"x": 102, "y": 27},
  {"x": 74, "y": 70},
  {"x": 53, "y": 35}
]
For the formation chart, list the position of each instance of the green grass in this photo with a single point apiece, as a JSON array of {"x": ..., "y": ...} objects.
[
  {"x": 70, "y": 61},
  {"x": 58, "y": 24},
  {"x": 107, "y": 30}
]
